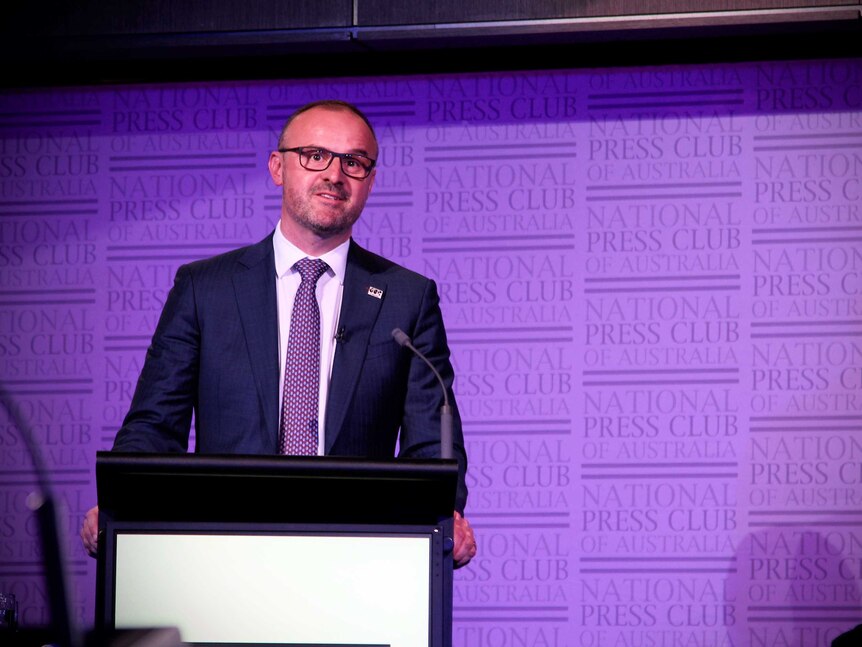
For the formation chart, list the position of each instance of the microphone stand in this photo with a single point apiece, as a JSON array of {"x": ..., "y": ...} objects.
[
  {"x": 446, "y": 450},
  {"x": 43, "y": 504}
]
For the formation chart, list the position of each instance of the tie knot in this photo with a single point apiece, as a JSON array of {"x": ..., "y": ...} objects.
[{"x": 311, "y": 269}]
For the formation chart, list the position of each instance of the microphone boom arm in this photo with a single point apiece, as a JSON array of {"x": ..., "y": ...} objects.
[{"x": 446, "y": 449}]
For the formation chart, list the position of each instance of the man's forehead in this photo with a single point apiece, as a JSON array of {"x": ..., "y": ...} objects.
[{"x": 336, "y": 122}]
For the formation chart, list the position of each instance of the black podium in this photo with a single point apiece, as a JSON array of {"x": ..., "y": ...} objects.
[{"x": 277, "y": 550}]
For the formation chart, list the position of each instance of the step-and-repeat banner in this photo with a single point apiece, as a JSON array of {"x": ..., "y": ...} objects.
[{"x": 652, "y": 283}]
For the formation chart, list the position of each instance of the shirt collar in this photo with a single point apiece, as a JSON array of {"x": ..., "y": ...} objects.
[{"x": 286, "y": 255}]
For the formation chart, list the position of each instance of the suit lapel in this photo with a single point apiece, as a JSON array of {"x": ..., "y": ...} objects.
[
  {"x": 254, "y": 287},
  {"x": 359, "y": 311}
]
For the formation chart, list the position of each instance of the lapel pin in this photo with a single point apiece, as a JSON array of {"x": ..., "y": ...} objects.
[{"x": 377, "y": 293}]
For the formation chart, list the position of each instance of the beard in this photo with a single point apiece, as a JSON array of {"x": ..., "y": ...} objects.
[{"x": 318, "y": 218}]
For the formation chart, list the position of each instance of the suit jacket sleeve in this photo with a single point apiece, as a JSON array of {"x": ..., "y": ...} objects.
[
  {"x": 160, "y": 414},
  {"x": 420, "y": 427}
]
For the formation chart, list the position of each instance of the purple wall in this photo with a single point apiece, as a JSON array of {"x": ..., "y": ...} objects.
[{"x": 651, "y": 282}]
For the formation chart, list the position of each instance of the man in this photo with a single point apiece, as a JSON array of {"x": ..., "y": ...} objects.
[{"x": 223, "y": 344}]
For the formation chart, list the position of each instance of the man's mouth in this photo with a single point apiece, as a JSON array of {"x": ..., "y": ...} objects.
[
  {"x": 331, "y": 193},
  {"x": 330, "y": 196}
]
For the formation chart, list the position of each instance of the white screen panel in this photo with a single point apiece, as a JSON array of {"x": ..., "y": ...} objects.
[{"x": 289, "y": 589}]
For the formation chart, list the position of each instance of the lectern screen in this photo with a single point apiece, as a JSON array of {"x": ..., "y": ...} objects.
[{"x": 291, "y": 589}]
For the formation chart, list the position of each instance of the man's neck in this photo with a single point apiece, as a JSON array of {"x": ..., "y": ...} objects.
[{"x": 311, "y": 243}]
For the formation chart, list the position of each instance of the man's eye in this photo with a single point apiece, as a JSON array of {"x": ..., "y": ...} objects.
[{"x": 351, "y": 163}]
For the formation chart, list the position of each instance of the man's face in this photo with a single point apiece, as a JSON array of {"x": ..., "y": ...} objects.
[{"x": 324, "y": 203}]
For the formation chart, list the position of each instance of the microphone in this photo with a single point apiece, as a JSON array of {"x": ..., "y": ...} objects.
[
  {"x": 340, "y": 337},
  {"x": 47, "y": 510},
  {"x": 446, "y": 450}
]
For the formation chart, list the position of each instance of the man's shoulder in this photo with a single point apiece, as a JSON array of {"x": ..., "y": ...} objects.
[
  {"x": 380, "y": 265},
  {"x": 245, "y": 257}
]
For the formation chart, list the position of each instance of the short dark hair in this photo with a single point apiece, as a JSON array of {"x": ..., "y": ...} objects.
[{"x": 330, "y": 104}]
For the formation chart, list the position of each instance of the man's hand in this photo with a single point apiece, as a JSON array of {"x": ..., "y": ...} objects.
[
  {"x": 90, "y": 531},
  {"x": 465, "y": 542}
]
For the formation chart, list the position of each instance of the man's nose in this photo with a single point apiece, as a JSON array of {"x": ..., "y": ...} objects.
[{"x": 334, "y": 173}]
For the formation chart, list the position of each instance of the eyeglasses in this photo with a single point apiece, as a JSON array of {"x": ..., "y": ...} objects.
[{"x": 318, "y": 159}]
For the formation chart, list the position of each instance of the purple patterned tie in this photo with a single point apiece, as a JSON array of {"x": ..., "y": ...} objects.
[{"x": 298, "y": 433}]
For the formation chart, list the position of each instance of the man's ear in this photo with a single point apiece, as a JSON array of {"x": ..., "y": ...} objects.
[{"x": 276, "y": 163}]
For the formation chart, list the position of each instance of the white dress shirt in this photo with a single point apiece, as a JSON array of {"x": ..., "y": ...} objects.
[{"x": 329, "y": 289}]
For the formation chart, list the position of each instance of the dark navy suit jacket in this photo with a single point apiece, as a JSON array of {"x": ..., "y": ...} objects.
[{"x": 215, "y": 352}]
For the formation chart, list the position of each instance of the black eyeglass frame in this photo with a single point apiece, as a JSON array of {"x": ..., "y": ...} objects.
[{"x": 356, "y": 157}]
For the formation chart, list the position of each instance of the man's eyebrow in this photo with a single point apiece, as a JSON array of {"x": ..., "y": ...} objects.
[
  {"x": 353, "y": 151},
  {"x": 359, "y": 151}
]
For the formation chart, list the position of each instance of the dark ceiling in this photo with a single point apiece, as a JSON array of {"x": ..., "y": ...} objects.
[{"x": 86, "y": 42}]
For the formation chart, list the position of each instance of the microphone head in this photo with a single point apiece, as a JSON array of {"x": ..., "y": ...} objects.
[{"x": 401, "y": 337}]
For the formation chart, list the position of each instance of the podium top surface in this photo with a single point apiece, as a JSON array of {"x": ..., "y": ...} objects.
[{"x": 274, "y": 489}]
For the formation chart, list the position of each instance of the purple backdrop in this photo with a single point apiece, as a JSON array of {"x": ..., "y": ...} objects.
[{"x": 651, "y": 282}]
